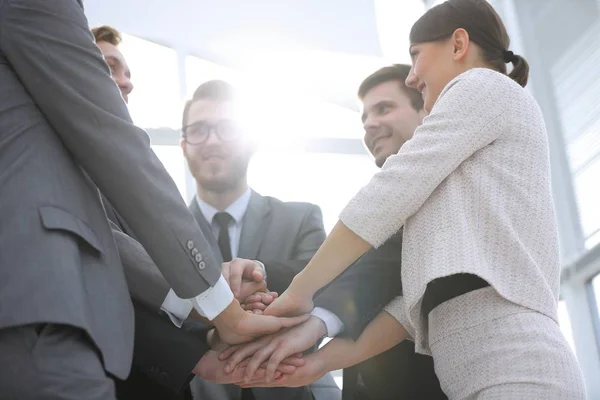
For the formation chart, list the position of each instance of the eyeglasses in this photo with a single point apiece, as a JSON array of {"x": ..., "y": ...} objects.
[{"x": 198, "y": 132}]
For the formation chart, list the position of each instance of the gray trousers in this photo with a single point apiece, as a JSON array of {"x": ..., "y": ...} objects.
[{"x": 51, "y": 362}]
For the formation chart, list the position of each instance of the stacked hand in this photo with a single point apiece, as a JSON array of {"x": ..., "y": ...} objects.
[
  {"x": 246, "y": 279},
  {"x": 269, "y": 357},
  {"x": 235, "y": 326},
  {"x": 211, "y": 368}
]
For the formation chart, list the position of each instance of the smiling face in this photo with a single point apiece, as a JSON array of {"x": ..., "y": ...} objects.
[
  {"x": 119, "y": 70},
  {"x": 216, "y": 164},
  {"x": 435, "y": 64},
  {"x": 389, "y": 119}
]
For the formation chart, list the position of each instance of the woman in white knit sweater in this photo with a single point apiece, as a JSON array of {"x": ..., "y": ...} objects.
[{"x": 480, "y": 263}]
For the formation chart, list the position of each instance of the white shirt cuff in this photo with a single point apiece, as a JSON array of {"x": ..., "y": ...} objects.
[
  {"x": 332, "y": 322},
  {"x": 177, "y": 309},
  {"x": 213, "y": 300}
]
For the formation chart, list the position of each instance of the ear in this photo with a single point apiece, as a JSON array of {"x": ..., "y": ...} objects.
[
  {"x": 461, "y": 43},
  {"x": 182, "y": 144}
]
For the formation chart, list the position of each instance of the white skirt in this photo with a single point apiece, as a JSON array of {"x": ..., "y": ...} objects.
[{"x": 485, "y": 347}]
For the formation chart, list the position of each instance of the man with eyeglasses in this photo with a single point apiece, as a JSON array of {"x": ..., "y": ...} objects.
[{"x": 242, "y": 226}]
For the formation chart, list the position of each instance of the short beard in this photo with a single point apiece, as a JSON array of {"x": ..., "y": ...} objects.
[{"x": 237, "y": 175}]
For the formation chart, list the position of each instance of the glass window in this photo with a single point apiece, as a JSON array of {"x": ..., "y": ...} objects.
[
  {"x": 174, "y": 163},
  {"x": 156, "y": 98},
  {"x": 565, "y": 323},
  {"x": 587, "y": 190},
  {"x": 596, "y": 290},
  {"x": 328, "y": 180},
  {"x": 198, "y": 71}
]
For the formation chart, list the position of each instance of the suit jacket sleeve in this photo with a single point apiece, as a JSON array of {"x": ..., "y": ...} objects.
[
  {"x": 164, "y": 353},
  {"x": 364, "y": 289},
  {"x": 146, "y": 284},
  {"x": 310, "y": 237},
  {"x": 49, "y": 46}
]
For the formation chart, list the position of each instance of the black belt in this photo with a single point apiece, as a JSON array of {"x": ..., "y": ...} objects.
[{"x": 443, "y": 289}]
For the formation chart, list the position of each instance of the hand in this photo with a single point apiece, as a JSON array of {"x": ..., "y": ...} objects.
[
  {"x": 257, "y": 302},
  {"x": 291, "y": 303},
  {"x": 240, "y": 269},
  {"x": 211, "y": 368},
  {"x": 314, "y": 368},
  {"x": 237, "y": 326},
  {"x": 274, "y": 348},
  {"x": 250, "y": 288}
]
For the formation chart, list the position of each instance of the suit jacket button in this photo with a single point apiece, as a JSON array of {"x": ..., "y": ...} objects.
[
  {"x": 198, "y": 257},
  {"x": 194, "y": 252},
  {"x": 190, "y": 245},
  {"x": 201, "y": 265}
]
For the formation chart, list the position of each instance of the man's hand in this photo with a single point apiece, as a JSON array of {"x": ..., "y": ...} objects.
[
  {"x": 274, "y": 348},
  {"x": 314, "y": 368},
  {"x": 257, "y": 302},
  {"x": 211, "y": 368},
  {"x": 238, "y": 270},
  {"x": 237, "y": 326}
]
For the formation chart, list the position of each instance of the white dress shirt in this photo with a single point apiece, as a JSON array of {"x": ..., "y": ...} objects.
[{"x": 214, "y": 300}]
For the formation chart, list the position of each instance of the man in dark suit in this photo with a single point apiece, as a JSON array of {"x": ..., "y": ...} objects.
[
  {"x": 240, "y": 224},
  {"x": 66, "y": 322},
  {"x": 391, "y": 114},
  {"x": 164, "y": 355}
]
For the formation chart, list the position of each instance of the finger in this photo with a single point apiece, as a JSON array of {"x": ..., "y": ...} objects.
[
  {"x": 273, "y": 294},
  {"x": 235, "y": 277},
  {"x": 282, "y": 368},
  {"x": 258, "y": 274},
  {"x": 225, "y": 354},
  {"x": 278, "y": 356},
  {"x": 259, "y": 312},
  {"x": 254, "y": 298},
  {"x": 260, "y": 357},
  {"x": 266, "y": 298},
  {"x": 243, "y": 306},
  {"x": 260, "y": 382},
  {"x": 269, "y": 297},
  {"x": 255, "y": 306},
  {"x": 288, "y": 322},
  {"x": 258, "y": 325},
  {"x": 294, "y": 360},
  {"x": 248, "y": 289},
  {"x": 244, "y": 352}
]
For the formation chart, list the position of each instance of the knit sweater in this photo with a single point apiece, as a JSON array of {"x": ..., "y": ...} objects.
[{"x": 472, "y": 190}]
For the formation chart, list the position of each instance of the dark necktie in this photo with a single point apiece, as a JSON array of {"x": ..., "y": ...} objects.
[{"x": 223, "y": 219}]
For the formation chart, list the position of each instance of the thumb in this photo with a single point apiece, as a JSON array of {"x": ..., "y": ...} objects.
[
  {"x": 279, "y": 307},
  {"x": 258, "y": 274}
]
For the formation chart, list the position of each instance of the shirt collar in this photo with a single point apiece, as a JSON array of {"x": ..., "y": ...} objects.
[{"x": 237, "y": 209}]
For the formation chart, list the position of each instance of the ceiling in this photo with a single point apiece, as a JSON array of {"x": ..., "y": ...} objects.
[{"x": 325, "y": 47}]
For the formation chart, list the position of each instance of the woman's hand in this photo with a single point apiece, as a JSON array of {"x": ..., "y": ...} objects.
[{"x": 293, "y": 302}]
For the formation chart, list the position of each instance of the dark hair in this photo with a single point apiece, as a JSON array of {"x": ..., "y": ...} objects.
[
  {"x": 395, "y": 72},
  {"x": 213, "y": 90},
  {"x": 484, "y": 26},
  {"x": 107, "y": 34}
]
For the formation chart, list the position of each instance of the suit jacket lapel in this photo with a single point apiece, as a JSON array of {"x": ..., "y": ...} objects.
[
  {"x": 206, "y": 230},
  {"x": 256, "y": 221}
]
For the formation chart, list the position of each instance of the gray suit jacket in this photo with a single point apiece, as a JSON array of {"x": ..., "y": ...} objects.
[
  {"x": 284, "y": 236},
  {"x": 64, "y": 133},
  {"x": 273, "y": 230}
]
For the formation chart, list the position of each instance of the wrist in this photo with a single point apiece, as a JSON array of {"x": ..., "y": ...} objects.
[
  {"x": 320, "y": 326},
  {"x": 229, "y": 316},
  {"x": 301, "y": 286},
  {"x": 341, "y": 353}
]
